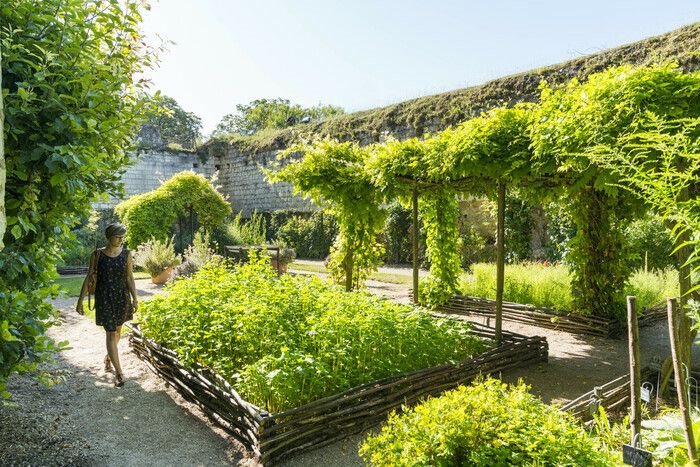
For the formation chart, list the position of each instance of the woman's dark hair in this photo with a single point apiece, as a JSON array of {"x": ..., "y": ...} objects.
[{"x": 114, "y": 229}]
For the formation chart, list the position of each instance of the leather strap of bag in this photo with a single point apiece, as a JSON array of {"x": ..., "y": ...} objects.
[{"x": 96, "y": 258}]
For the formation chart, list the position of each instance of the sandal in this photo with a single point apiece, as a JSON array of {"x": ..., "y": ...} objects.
[
  {"x": 120, "y": 380},
  {"x": 108, "y": 364}
]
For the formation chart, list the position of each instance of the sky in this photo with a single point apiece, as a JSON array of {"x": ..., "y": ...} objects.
[{"x": 362, "y": 54}]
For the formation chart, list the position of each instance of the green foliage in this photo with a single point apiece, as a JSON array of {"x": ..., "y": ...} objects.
[
  {"x": 550, "y": 285},
  {"x": 517, "y": 226},
  {"x": 83, "y": 240},
  {"x": 487, "y": 423},
  {"x": 651, "y": 243},
  {"x": 175, "y": 125},
  {"x": 666, "y": 438},
  {"x": 598, "y": 255},
  {"x": 529, "y": 283},
  {"x": 287, "y": 341},
  {"x": 560, "y": 230},
  {"x": 310, "y": 237},
  {"x": 196, "y": 255},
  {"x": 439, "y": 213},
  {"x": 331, "y": 173},
  {"x": 72, "y": 107},
  {"x": 266, "y": 114},
  {"x": 186, "y": 194},
  {"x": 240, "y": 232},
  {"x": 155, "y": 256}
]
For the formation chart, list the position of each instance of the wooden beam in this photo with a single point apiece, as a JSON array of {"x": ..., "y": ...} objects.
[
  {"x": 500, "y": 258},
  {"x": 635, "y": 370},
  {"x": 415, "y": 244},
  {"x": 680, "y": 381}
]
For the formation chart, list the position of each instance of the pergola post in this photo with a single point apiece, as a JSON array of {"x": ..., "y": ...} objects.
[
  {"x": 500, "y": 258},
  {"x": 415, "y": 244}
]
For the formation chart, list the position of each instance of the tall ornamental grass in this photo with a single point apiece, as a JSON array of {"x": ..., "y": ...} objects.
[
  {"x": 288, "y": 341},
  {"x": 550, "y": 286}
]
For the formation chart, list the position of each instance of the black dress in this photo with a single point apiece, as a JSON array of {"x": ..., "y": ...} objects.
[{"x": 112, "y": 298}]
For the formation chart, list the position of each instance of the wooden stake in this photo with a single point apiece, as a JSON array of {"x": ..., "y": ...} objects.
[
  {"x": 500, "y": 258},
  {"x": 415, "y": 245},
  {"x": 680, "y": 383},
  {"x": 635, "y": 371},
  {"x": 348, "y": 269}
]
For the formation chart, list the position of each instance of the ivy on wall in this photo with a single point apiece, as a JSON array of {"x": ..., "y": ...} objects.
[{"x": 152, "y": 214}]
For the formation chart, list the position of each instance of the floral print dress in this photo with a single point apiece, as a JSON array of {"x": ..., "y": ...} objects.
[{"x": 112, "y": 298}]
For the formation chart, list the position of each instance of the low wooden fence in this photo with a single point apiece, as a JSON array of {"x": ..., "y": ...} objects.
[
  {"x": 272, "y": 437},
  {"x": 67, "y": 270},
  {"x": 546, "y": 317},
  {"x": 612, "y": 396}
]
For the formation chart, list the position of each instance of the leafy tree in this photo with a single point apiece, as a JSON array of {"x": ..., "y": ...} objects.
[
  {"x": 174, "y": 124},
  {"x": 263, "y": 114},
  {"x": 71, "y": 111}
]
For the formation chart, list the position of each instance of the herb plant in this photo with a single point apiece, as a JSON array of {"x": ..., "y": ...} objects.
[
  {"x": 487, "y": 423},
  {"x": 290, "y": 340}
]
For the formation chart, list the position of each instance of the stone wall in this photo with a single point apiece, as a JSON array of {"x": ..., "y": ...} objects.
[
  {"x": 239, "y": 178},
  {"x": 154, "y": 167}
]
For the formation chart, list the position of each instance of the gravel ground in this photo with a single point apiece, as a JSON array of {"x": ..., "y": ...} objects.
[{"x": 87, "y": 421}]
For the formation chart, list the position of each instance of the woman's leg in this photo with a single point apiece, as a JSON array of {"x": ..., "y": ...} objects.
[{"x": 112, "y": 351}]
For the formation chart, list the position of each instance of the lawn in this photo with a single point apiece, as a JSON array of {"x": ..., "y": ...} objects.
[
  {"x": 376, "y": 276},
  {"x": 70, "y": 286}
]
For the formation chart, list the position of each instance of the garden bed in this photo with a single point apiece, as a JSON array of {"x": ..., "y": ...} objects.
[
  {"x": 546, "y": 317},
  {"x": 272, "y": 437}
]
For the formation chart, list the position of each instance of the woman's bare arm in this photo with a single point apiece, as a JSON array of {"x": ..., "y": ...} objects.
[
  {"x": 130, "y": 280},
  {"x": 83, "y": 290}
]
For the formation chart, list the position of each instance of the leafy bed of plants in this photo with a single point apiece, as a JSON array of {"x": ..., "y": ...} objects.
[
  {"x": 487, "y": 423},
  {"x": 287, "y": 341}
]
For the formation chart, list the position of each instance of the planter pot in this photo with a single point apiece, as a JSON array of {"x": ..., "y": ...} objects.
[{"x": 163, "y": 277}]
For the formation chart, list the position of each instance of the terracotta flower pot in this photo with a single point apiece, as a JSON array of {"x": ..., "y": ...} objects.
[{"x": 163, "y": 277}]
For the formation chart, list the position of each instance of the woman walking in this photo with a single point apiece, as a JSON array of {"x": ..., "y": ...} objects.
[{"x": 111, "y": 271}]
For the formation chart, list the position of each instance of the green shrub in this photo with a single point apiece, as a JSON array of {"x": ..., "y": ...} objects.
[
  {"x": 184, "y": 196},
  {"x": 156, "y": 256},
  {"x": 310, "y": 237},
  {"x": 666, "y": 438},
  {"x": 550, "y": 286},
  {"x": 651, "y": 244},
  {"x": 290, "y": 340},
  {"x": 195, "y": 256},
  {"x": 243, "y": 232},
  {"x": 488, "y": 423}
]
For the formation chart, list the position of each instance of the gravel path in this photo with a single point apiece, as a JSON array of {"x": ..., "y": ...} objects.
[{"x": 86, "y": 421}]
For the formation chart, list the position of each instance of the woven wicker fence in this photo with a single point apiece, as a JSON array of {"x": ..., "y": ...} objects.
[
  {"x": 272, "y": 437},
  {"x": 546, "y": 317},
  {"x": 613, "y": 395}
]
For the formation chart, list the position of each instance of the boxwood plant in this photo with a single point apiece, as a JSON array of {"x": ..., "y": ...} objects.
[
  {"x": 288, "y": 341},
  {"x": 487, "y": 423}
]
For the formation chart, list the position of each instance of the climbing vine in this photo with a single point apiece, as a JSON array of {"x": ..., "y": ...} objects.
[
  {"x": 439, "y": 213},
  {"x": 331, "y": 173}
]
